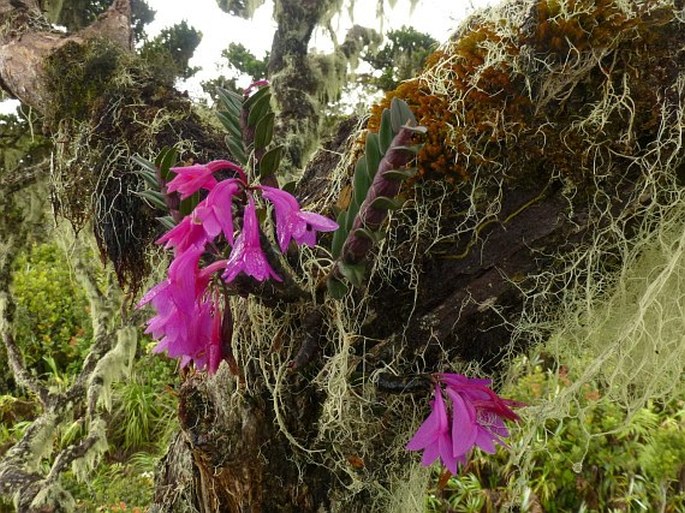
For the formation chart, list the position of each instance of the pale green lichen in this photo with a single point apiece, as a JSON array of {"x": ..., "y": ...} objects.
[
  {"x": 53, "y": 494},
  {"x": 116, "y": 364}
]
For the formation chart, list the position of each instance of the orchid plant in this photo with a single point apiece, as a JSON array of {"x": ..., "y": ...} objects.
[
  {"x": 189, "y": 312},
  {"x": 193, "y": 319}
]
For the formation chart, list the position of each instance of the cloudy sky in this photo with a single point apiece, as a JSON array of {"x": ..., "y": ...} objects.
[{"x": 436, "y": 17}]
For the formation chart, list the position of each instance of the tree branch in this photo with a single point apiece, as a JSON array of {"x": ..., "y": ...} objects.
[{"x": 22, "y": 177}]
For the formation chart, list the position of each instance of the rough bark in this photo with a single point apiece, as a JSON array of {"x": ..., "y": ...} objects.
[
  {"x": 254, "y": 448},
  {"x": 295, "y": 85}
]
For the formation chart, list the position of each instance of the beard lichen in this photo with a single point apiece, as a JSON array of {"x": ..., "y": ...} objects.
[
  {"x": 580, "y": 101},
  {"x": 106, "y": 106}
]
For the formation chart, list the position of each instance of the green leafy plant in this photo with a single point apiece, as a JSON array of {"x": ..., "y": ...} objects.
[
  {"x": 377, "y": 179},
  {"x": 53, "y": 325}
]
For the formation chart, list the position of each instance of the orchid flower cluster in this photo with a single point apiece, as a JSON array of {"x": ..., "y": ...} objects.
[
  {"x": 189, "y": 323},
  {"x": 475, "y": 418}
]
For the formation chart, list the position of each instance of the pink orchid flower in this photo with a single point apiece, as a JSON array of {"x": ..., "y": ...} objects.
[
  {"x": 292, "y": 223},
  {"x": 178, "y": 324},
  {"x": 186, "y": 234},
  {"x": 190, "y": 179},
  {"x": 247, "y": 255},
  {"x": 477, "y": 419},
  {"x": 433, "y": 437},
  {"x": 215, "y": 211}
]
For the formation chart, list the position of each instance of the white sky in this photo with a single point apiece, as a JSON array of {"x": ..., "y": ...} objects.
[{"x": 436, "y": 17}]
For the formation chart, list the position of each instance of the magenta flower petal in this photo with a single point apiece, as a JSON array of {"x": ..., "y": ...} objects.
[
  {"x": 190, "y": 179},
  {"x": 464, "y": 427},
  {"x": 433, "y": 426},
  {"x": 216, "y": 211},
  {"x": 247, "y": 255},
  {"x": 485, "y": 441},
  {"x": 189, "y": 232},
  {"x": 291, "y": 222}
]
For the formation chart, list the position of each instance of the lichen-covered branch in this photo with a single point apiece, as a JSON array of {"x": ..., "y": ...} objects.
[
  {"x": 14, "y": 358},
  {"x": 23, "y": 177}
]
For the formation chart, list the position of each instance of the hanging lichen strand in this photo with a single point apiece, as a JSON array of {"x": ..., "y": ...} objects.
[
  {"x": 545, "y": 156},
  {"x": 554, "y": 139}
]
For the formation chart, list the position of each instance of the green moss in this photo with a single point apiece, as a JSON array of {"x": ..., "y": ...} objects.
[{"x": 78, "y": 75}]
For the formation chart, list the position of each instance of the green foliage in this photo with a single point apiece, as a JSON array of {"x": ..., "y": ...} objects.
[
  {"x": 20, "y": 144},
  {"x": 240, "y": 61},
  {"x": 170, "y": 51},
  {"x": 141, "y": 425},
  {"x": 144, "y": 408},
  {"x": 249, "y": 123},
  {"x": 113, "y": 487},
  {"x": 400, "y": 58},
  {"x": 595, "y": 458},
  {"x": 52, "y": 325},
  {"x": 77, "y": 14}
]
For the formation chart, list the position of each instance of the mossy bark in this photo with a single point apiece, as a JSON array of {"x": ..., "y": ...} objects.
[{"x": 531, "y": 152}]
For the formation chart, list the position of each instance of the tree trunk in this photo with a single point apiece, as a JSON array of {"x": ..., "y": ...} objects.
[{"x": 552, "y": 137}]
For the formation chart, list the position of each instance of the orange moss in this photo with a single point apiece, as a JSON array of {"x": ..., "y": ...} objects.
[
  {"x": 483, "y": 110},
  {"x": 482, "y": 103},
  {"x": 584, "y": 25}
]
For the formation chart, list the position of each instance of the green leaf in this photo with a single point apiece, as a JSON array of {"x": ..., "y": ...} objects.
[
  {"x": 264, "y": 131},
  {"x": 231, "y": 124},
  {"x": 356, "y": 273},
  {"x": 189, "y": 204},
  {"x": 289, "y": 186},
  {"x": 167, "y": 222},
  {"x": 155, "y": 198},
  {"x": 352, "y": 212},
  {"x": 259, "y": 109},
  {"x": 400, "y": 114},
  {"x": 231, "y": 100},
  {"x": 270, "y": 161},
  {"x": 150, "y": 178},
  {"x": 149, "y": 171},
  {"x": 236, "y": 149},
  {"x": 257, "y": 96},
  {"x": 166, "y": 160},
  {"x": 146, "y": 164},
  {"x": 373, "y": 153},
  {"x": 336, "y": 288},
  {"x": 385, "y": 203},
  {"x": 362, "y": 181},
  {"x": 339, "y": 236},
  {"x": 386, "y": 133},
  {"x": 400, "y": 174}
]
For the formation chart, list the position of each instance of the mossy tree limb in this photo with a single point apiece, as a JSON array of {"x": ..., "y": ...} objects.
[
  {"x": 552, "y": 138},
  {"x": 34, "y": 488}
]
